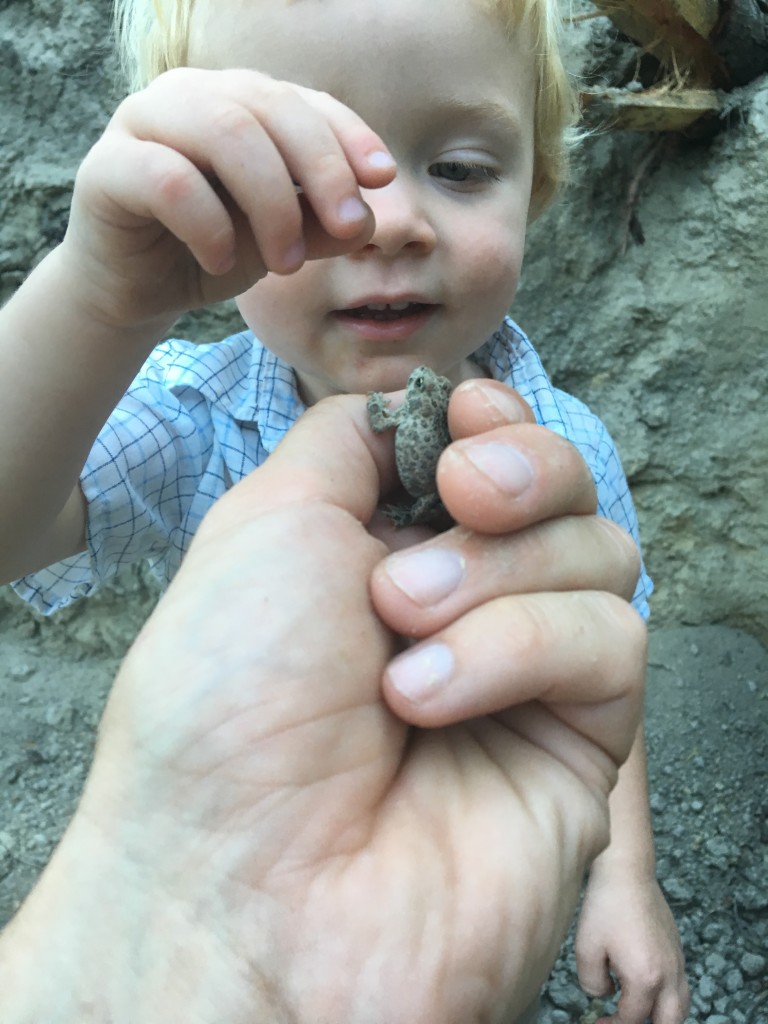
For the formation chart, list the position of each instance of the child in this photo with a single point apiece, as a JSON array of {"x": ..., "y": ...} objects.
[{"x": 221, "y": 178}]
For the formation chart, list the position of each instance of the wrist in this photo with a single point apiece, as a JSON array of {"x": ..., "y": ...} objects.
[
  {"x": 620, "y": 864},
  {"x": 103, "y": 315},
  {"x": 102, "y": 938}
]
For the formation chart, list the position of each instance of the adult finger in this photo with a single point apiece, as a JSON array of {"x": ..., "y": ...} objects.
[
  {"x": 512, "y": 476},
  {"x": 479, "y": 405},
  {"x": 581, "y": 651},
  {"x": 425, "y": 587},
  {"x": 330, "y": 455}
]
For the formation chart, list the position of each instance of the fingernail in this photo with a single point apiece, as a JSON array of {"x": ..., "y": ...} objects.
[
  {"x": 420, "y": 673},
  {"x": 505, "y": 466},
  {"x": 380, "y": 159},
  {"x": 427, "y": 576},
  {"x": 352, "y": 209},
  {"x": 497, "y": 401},
  {"x": 295, "y": 255}
]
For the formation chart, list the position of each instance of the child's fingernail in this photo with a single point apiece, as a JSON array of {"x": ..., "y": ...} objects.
[
  {"x": 352, "y": 209},
  {"x": 426, "y": 576},
  {"x": 420, "y": 673},
  {"x": 295, "y": 255},
  {"x": 380, "y": 159},
  {"x": 505, "y": 466}
]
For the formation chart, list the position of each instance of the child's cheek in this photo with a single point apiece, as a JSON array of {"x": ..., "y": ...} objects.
[{"x": 493, "y": 267}]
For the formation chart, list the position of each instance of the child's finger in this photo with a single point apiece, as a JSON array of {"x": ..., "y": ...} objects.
[
  {"x": 368, "y": 156},
  {"x": 152, "y": 182},
  {"x": 205, "y": 120},
  {"x": 330, "y": 153},
  {"x": 266, "y": 141}
]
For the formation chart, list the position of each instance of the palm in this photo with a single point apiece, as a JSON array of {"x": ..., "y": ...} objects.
[
  {"x": 442, "y": 834},
  {"x": 379, "y": 862}
]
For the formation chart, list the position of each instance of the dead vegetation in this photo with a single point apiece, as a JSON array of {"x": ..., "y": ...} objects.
[{"x": 690, "y": 54}]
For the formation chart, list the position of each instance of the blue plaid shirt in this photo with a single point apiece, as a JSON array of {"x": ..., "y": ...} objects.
[{"x": 198, "y": 418}]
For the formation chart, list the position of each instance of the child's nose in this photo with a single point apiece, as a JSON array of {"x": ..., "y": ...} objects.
[{"x": 401, "y": 219}]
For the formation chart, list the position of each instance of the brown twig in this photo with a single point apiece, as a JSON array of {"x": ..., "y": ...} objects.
[{"x": 631, "y": 225}]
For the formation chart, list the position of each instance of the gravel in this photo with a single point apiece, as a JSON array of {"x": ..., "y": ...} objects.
[{"x": 707, "y": 726}]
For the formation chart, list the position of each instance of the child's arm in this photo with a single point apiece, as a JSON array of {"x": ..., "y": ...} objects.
[
  {"x": 189, "y": 197},
  {"x": 61, "y": 373},
  {"x": 625, "y": 925}
]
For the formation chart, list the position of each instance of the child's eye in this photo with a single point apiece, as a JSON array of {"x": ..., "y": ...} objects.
[{"x": 463, "y": 173}]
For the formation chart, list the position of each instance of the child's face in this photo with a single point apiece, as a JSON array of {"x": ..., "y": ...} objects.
[{"x": 452, "y": 98}]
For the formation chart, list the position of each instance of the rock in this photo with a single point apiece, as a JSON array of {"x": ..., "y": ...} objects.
[
  {"x": 566, "y": 995},
  {"x": 753, "y": 964},
  {"x": 677, "y": 890},
  {"x": 734, "y": 980},
  {"x": 7, "y": 846},
  {"x": 707, "y": 987},
  {"x": 716, "y": 965}
]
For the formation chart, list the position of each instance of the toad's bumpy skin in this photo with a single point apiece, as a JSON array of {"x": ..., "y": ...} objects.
[{"x": 421, "y": 425}]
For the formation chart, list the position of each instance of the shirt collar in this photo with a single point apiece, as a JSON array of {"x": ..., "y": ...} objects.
[{"x": 268, "y": 395}]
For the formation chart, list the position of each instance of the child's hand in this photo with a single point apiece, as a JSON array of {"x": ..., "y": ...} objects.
[
  {"x": 190, "y": 196},
  {"x": 626, "y": 927}
]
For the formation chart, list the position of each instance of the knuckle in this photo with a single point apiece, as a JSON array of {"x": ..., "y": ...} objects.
[
  {"x": 332, "y": 165},
  {"x": 175, "y": 78},
  {"x": 630, "y": 642},
  {"x": 277, "y": 101},
  {"x": 532, "y": 547},
  {"x": 626, "y": 551},
  {"x": 231, "y": 123},
  {"x": 536, "y": 627},
  {"x": 173, "y": 183},
  {"x": 129, "y": 107}
]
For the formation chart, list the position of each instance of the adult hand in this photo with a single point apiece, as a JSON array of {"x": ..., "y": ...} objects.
[{"x": 263, "y": 838}]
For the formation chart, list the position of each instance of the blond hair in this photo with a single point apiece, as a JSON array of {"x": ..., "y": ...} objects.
[{"x": 153, "y": 36}]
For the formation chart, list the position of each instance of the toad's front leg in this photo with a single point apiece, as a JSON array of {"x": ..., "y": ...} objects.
[{"x": 380, "y": 415}]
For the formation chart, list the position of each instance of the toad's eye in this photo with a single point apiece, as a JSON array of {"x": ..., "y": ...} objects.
[{"x": 463, "y": 172}]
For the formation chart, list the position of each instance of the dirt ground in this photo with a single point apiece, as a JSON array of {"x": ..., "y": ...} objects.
[{"x": 707, "y": 718}]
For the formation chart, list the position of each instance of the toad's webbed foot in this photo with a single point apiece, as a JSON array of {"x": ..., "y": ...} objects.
[{"x": 426, "y": 510}]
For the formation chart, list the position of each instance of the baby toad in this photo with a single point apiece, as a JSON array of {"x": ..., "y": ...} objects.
[{"x": 421, "y": 433}]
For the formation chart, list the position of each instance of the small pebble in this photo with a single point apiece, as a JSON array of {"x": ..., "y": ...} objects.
[
  {"x": 752, "y": 964},
  {"x": 707, "y": 987},
  {"x": 734, "y": 980},
  {"x": 21, "y": 671},
  {"x": 677, "y": 891},
  {"x": 716, "y": 965}
]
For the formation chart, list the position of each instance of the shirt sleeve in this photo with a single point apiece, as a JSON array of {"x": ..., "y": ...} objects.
[
  {"x": 614, "y": 502},
  {"x": 142, "y": 484}
]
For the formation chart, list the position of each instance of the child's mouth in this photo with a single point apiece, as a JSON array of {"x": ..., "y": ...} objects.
[{"x": 383, "y": 311}]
